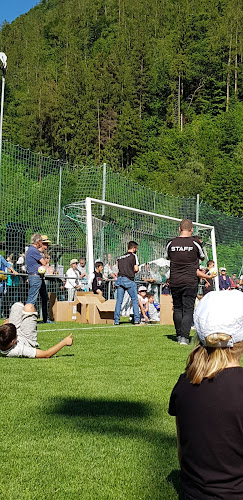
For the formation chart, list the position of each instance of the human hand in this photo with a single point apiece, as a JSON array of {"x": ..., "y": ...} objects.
[{"x": 69, "y": 339}]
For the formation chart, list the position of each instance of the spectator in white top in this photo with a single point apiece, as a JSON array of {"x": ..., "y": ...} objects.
[
  {"x": 72, "y": 282},
  {"x": 82, "y": 273}
]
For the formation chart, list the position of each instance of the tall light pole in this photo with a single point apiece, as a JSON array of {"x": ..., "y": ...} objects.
[{"x": 3, "y": 62}]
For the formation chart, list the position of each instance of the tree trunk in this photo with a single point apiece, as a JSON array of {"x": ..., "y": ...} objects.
[
  {"x": 228, "y": 74},
  {"x": 236, "y": 59},
  {"x": 179, "y": 101},
  {"x": 98, "y": 118}
]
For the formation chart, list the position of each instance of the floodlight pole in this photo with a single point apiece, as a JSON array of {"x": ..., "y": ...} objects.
[{"x": 1, "y": 118}]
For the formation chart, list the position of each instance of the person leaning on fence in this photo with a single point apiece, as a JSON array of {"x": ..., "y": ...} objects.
[
  {"x": 72, "y": 282},
  {"x": 4, "y": 265},
  {"x": 18, "y": 335},
  {"x": 97, "y": 279},
  {"x": 208, "y": 405}
]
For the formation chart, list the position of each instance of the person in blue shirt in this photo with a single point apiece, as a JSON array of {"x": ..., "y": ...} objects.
[
  {"x": 4, "y": 264},
  {"x": 34, "y": 259}
]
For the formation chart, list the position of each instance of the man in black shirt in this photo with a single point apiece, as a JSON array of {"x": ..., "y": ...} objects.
[
  {"x": 127, "y": 268},
  {"x": 184, "y": 253}
]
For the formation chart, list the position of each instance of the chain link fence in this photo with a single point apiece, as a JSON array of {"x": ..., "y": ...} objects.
[{"x": 36, "y": 193}]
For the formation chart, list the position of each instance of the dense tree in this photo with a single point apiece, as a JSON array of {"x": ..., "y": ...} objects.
[{"x": 153, "y": 87}]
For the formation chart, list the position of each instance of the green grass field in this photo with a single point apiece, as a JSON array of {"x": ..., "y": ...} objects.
[{"x": 92, "y": 422}]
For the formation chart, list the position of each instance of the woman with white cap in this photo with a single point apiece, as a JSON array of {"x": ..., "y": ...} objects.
[
  {"x": 224, "y": 280},
  {"x": 207, "y": 402},
  {"x": 72, "y": 280}
]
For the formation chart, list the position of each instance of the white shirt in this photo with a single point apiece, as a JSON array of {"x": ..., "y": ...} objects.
[
  {"x": 82, "y": 270},
  {"x": 22, "y": 349},
  {"x": 153, "y": 313},
  {"x": 72, "y": 283}
]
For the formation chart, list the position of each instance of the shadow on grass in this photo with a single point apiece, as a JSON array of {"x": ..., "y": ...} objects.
[
  {"x": 174, "y": 478},
  {"x": 172, "y": 337},
  {"x": 63, "y": 356},
  {"x": 127, "y": 419},
  {"x": 98, "y": 407}
]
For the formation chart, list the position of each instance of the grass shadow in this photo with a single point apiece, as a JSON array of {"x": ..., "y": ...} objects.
[
  {"x": 174, "y": 478},
  {"x": 172, "y": 337},
  {"x": 123, "y": 419},
  {"x": 64, "y": 356},
  {"x": 101, "y": 407}
]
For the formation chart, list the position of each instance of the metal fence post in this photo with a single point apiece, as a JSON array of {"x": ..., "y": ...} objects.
[
  {"x": 103, "y": 212},
  {"x": 59, "y": 204}
]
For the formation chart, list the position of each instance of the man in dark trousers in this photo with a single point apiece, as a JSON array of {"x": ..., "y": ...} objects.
[
  {"x": 184, "y": 253},
  {"x": 127, "y": 268}
]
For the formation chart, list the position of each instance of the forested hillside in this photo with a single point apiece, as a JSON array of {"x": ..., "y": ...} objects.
[{"x": 152, "y": 87}]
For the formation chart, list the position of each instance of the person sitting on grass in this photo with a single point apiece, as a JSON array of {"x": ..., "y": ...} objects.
[
  {"x": 18, "y": 335},
  {"x": 153, "y": 312},
  {"x": 143, "y": 303},
  {"x": 207, "y": 402}
]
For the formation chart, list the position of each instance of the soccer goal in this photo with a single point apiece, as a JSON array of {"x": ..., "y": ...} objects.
[{"x": 110, "y": 226}]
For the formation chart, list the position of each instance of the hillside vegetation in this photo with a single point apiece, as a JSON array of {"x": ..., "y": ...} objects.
[{"x": 152, "y": 87}]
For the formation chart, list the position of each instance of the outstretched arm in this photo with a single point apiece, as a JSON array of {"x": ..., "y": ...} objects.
[
  {"x": 56, "y": 348},
  {"x": 202, "y": 274}
]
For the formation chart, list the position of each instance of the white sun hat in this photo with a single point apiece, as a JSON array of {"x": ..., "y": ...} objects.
[{"x": 220, "y": 312}]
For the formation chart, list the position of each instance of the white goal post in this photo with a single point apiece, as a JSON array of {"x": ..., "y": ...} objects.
[{"x": 99, "y": 221}]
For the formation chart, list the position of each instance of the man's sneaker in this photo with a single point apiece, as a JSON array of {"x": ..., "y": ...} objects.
[
  {"x": 116, "y": 324},
  {"x": 184, "y": 341},
  {"x": 139, "y": 323}
]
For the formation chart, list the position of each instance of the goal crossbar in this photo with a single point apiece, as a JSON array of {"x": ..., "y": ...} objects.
[{"x": 89, "y": 234}]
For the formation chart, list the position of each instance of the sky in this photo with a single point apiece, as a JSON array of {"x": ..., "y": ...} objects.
[{"x": 10, "y": 9}]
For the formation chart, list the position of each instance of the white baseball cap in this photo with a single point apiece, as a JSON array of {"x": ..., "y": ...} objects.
[
  {"x": 142, "y": 288},
  {"x": 220, "y": 312}
]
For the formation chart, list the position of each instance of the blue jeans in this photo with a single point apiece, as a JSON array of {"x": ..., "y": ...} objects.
[
  {"x": 37, "y": 284},
  {"x": 122, "y": 284}
]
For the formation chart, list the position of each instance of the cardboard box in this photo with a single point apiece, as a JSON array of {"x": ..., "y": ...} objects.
[
  {"x": 63, "y": 310},
  {"x": 87, "y": 308},
  {"x": 166, "y": 310},
  {"x": 95, "y": 310}
]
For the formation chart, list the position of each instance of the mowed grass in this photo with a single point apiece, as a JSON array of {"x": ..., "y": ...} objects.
[{"x": 92, "y": 422}]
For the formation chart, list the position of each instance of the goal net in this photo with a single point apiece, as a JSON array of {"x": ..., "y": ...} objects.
[{"x": 109, "y": 227}]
